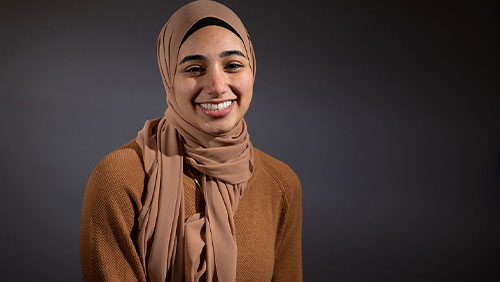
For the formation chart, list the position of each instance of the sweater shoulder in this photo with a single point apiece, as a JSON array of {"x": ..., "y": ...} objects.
[
  {"x": 285, "y": 177},
  {"x": 111, "y": 204},
  {"x": 120, "y": 173},
  {"x": 122, "y": 163}
]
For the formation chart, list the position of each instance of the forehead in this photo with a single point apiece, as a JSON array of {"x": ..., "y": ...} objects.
[{"x": 211, "y": 40}]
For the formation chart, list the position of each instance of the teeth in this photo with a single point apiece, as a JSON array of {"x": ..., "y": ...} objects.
[{"x": 216, "y": 107}]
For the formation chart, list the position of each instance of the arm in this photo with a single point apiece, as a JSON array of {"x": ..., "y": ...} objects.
[
  {"x": 108, "y": 225},
  {"x": 288, "y": 258}
]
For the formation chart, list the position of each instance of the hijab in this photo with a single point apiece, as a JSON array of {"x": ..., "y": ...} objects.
[{"x": 203, "y": 246}]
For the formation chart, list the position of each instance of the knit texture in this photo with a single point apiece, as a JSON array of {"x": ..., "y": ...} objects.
[{"x": 268, "y": 220}]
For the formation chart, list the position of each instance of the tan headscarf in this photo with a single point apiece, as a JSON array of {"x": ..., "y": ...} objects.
[{"x": 202, "y": 247}]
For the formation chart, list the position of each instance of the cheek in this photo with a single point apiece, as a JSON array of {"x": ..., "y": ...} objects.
[
  {"x": 245, "y": 85},
  {"x": 184, "y": 91}
]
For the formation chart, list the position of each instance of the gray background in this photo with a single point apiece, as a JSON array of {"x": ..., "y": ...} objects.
[{"x": 387, "y": 111}]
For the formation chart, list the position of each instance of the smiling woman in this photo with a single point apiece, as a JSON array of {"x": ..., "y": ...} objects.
[
  {"x": 214, "y": 81},
  {"x": 191, "y": 199}
]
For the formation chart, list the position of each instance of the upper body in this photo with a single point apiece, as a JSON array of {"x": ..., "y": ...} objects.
[
  {"x": 268, "y": 219},
  {"x": 190, "y": 199}
]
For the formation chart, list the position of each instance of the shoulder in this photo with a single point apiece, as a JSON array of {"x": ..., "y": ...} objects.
[
  {"x": 121, "y": 165},
  {"x": 285, "y": 183},
  {"x": 122, "y": 162},
  {"x": 118, "y": 180},
  {"x": 110, "y": 208},
  {"x": 280, "y": 173}
]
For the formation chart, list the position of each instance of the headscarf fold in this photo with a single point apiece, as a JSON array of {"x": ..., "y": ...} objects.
[{"x": 202, "y": 247}]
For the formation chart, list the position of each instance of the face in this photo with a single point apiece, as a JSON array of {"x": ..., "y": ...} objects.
[{"x": 213, "y": 82}]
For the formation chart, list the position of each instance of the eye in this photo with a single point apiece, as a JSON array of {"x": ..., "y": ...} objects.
[
  {"x": 194, "y": 70},
  {"x": 233, "y": 66}
]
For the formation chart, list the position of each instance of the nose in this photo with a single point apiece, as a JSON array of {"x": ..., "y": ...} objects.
[{"x": 216, "y": 82}]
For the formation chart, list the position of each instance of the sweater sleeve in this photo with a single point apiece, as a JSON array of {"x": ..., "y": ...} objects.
[
  {"x": 288, "y": 258},
  {"x": 111, "y": 204}
]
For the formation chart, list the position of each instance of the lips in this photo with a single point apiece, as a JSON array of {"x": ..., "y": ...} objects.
[{"x": 216, "y": 109}]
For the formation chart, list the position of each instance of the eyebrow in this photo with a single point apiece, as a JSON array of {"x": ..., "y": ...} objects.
[
  {"x": 230, "y": 53},
  {"x": 203, "y": 58},
  {"x": 193, "y": 58}
]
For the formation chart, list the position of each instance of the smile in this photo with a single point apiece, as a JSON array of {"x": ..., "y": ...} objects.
[{"x": 216, "y": 109}]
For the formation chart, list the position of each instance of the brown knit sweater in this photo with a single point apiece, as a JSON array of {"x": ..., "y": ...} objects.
[{"x": 268, "y": 219}]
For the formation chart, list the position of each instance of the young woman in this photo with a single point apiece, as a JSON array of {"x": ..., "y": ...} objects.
[{"x": 190, "y": 199}]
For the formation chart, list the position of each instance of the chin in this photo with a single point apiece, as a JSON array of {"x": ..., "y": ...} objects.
[
  {"x": 218, "y": 130},
  {"x": 214, "y": 129}
]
